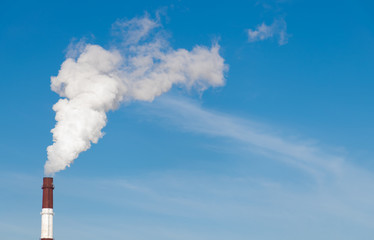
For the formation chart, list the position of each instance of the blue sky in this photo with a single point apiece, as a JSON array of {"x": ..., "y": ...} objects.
[{"x": 282, "y": 151}]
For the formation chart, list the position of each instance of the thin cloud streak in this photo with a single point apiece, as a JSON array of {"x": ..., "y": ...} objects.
[
  {"x": 277, "y": 29},
  {"x": 235, "y": 202},
  {"x": 192, "y": 117}
]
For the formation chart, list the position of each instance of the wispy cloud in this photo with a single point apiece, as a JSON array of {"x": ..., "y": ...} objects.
[
  {"x": 175, "y": 205},
  {"x": 278, "y": 30},
  {"x": 252, "y": 136}
]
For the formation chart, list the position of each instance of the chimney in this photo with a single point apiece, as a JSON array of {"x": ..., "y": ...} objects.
[{"x": 47, "y": 209}]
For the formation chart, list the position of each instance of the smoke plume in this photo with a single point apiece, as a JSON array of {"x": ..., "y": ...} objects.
[{"x": 93, "y": 80}]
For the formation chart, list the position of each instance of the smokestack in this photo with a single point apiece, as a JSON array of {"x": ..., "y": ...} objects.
[{"x": 47, "y": 209}]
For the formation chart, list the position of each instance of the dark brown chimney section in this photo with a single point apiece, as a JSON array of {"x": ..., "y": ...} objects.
[{"x": 48, "y": 192}]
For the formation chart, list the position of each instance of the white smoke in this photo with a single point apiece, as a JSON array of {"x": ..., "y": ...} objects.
[{"x": 98, "y": 80}]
